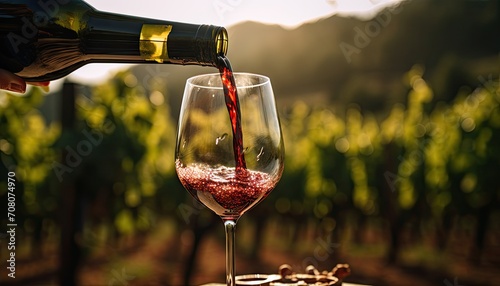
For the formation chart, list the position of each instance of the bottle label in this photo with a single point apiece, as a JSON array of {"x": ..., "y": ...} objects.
[{"x": 153, "y": 43}]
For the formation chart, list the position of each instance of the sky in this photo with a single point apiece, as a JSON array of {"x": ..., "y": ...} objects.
[{"x": 226, "y": 13}]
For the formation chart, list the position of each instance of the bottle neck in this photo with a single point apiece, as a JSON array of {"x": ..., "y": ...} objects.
[{"x": 121, "y": 38}]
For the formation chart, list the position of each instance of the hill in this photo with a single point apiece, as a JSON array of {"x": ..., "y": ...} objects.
[{"x": 342, "y": 60}]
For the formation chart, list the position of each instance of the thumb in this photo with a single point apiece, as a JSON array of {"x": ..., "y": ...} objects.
[{"x": 11, "y": 82}]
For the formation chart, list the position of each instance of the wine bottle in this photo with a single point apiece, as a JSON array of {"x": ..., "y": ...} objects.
[{"x": 43, "y": 40}]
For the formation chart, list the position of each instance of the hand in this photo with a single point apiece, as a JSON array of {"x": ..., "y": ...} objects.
[{"x": 12, "y": 82}]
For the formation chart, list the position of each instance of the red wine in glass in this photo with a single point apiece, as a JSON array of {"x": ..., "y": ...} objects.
[
  {"x": 223, "y": 190},
  {"x": 229, "y": 192}
]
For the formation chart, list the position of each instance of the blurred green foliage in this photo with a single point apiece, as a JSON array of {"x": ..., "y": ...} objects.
[
  {"x": 417, "y": 150},
  {"x": 423, "y": 161}
]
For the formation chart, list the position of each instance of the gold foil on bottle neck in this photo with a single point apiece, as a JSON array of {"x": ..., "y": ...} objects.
[
  {"x": 222, "y": 42},
  {"x": 153, "y": 42}
]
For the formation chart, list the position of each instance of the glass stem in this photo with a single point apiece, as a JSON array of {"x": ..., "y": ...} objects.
[{"x": 229, "y": 226}]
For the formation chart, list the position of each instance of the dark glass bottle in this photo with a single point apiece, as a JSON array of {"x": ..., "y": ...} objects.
[{"x": 43, "y": 40}]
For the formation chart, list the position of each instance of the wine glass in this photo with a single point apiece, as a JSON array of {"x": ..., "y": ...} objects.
[{"x": 228, "y": 182}]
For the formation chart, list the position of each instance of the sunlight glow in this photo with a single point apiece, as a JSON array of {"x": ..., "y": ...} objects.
[{"x": 226, "y": 13}]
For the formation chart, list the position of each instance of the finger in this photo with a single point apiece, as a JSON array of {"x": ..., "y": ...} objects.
[{"x": 11, "y": 82}]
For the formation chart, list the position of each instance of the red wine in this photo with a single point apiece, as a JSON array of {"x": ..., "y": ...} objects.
[
  {"x": 226, "y": 192},
  {"x": 233, "y": 108}
]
